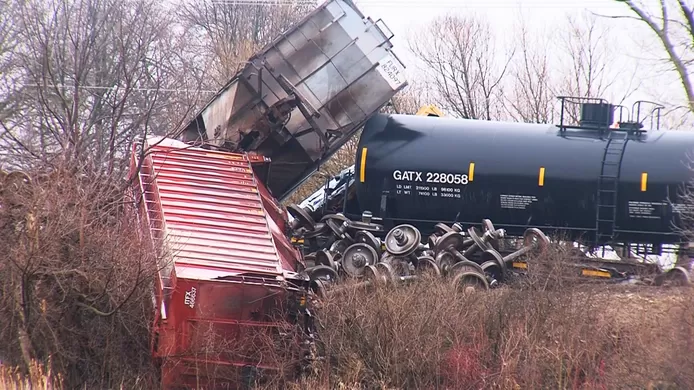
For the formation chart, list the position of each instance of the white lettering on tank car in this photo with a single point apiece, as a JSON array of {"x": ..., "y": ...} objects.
[
  {"x": 513, "y": 201},
  {"x": 645, "y": 210},
  {"x": 407, "y": 175},
  {"x": 431, "y": 177}
]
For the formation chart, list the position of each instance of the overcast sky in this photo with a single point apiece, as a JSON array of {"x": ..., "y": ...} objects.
[{"x": 637, "y": 46}]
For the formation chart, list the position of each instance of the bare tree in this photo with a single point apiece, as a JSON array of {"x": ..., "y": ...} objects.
[
  {"x": 228, "y": 33},
  {"x": 460, "y": 53},
  {"x": 95, "y": 75},
  {"x": 409, "y": 100},
  {"x": 529, "y": 96},
  {"x": 674, "y": 28},
  {"x": 75, "y": 280},
  {"x": 8, "y": 71},
  {"x": 585, "y": 53}
]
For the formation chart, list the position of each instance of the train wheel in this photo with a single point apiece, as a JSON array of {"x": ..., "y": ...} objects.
[
  {"x": 369, "y": 239},
  {"x": 357, "y": 257},
  {"x": 373, "y": 275},
  {"x": 427, "y": 265},
  {"x": 339, "y": 246},
  {"x": 494, "y": 256},
  {"x": 302, "y": 216},
  {"x": 442, "y": 229},
  {"x": 445, "y": 260},
  {"x": 452, "y": 239},
  {"x": 466, "y": 266},
  {"x": 491, "y": 268},
  {"x": 431, "y": 241},
  {"x": 677, "y": 276},
  {"x": 317, "y": 287},
  {"x": 322, "y": 272},
  {"x": 326, "y": 258},
  {"x": 537, "y": 239},
  {"x": 470, "y": 281},
  {"x": 387, "y": 271},
  {"x": 403, "y": 240}
]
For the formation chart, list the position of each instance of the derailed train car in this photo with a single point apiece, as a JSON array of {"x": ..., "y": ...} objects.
[
  {"x": 228, "y": 274},
  {"x": 593, "y": 182},
  {"x": 437, "y": 180},
  {"x": 304, "y": 95}
]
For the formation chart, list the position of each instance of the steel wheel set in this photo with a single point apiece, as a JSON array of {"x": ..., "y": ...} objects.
[{"x": 339, "y": 249}]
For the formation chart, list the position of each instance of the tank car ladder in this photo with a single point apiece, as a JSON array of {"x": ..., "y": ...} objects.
[{"x": 606, "y": 210}]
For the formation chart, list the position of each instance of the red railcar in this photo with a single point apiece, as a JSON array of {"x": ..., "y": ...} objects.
[{"x": 228, "y": 280}]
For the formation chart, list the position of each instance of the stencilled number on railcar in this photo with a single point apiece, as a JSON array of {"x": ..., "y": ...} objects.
[
  {"x": 189, "y": 299},
  {"x": 431, "y": 177},
  {"x": 392, "y": 72},
  {"x": 446, "y": 178}
]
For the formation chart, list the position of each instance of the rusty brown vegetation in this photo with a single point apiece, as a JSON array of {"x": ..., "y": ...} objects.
[
  {"x": 542, "y": 331},
  {"x": 428, "y": 334},
  {"x": 546, "y": 329},
  {"x": 75, "y": 279}
]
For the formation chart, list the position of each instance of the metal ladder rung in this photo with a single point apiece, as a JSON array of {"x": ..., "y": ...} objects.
[
  {"x": 608, "y": 178},
  {"x": 608, "y": 183}
]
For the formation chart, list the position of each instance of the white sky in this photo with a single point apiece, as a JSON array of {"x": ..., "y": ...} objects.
[{"x": 636, "y": 43}]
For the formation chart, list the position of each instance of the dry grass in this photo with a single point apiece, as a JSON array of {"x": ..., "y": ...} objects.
[
  {"x": 428, "y": 335},
  {"x": 539, "y": 332},
  {"x": 543, "y": 331},
  {"x": 38, "y": 378}
]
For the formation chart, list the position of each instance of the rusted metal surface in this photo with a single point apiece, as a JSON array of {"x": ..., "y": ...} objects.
[
  {"x": 231, "y": 271},
  {"x": 300, "y": 98}
]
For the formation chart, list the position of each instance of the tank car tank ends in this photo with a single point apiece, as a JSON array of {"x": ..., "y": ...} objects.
[{"x": 593, "y": 182}]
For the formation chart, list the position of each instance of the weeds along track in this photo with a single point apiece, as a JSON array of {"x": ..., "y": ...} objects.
[{"x": 428, "y": 334}]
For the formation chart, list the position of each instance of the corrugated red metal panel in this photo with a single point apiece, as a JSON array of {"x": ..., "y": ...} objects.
[
  {"x": 214, "y": 219},
  {"x": 233, "y": 268}
]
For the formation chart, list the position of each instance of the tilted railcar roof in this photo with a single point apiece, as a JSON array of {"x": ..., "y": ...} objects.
[{"x": 214, "y": 222}]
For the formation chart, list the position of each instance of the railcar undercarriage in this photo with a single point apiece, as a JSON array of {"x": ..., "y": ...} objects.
[{"x": 337, "y": 248}]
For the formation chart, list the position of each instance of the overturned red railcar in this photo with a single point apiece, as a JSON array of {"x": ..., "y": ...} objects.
[{"x": 228, "y": 282}]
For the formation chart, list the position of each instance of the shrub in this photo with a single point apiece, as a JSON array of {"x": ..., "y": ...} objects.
[{"x": 75, "y": 279}]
